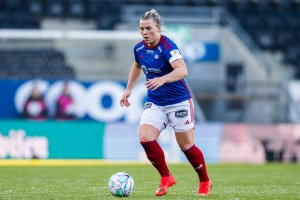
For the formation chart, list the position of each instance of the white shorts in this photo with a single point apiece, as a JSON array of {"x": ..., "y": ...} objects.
[{"x": 180, "y": 116}]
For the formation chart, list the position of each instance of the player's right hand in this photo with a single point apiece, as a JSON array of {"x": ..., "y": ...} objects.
[{"x": 124, "y": 100}]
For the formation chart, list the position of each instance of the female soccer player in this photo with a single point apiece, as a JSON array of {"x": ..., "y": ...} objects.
[{"x": 168, "y": 101}]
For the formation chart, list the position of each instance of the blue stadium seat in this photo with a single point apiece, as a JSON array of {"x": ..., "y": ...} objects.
[
  {"x": 252, "y": 22},
  {"x": 55, "y": 8},
  {"x": 292, "y": 54},
  {"x": 38, "y": 63},
  {"x": 261, "y": 6},
  {"x": 283, "y": 39},
  {"x": 76, "y": 9},
  {"x": 93, "y": 8},
  {"x": 198, "y": 2},
  {"x": 35, "y": 7},
  {"x": 13, "y": 6},
  {"x": 274, "y": 22},
  {"x": 265, "y": 39},
  {"x": 282, "y": 5}
]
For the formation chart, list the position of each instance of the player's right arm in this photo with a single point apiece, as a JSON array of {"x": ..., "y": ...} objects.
[{"x": 134, "y": 74}]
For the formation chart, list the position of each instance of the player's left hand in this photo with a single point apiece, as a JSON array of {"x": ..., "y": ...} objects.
[
  {"x": 153, "y": 84},
  {"x": 124, "y": 99}
]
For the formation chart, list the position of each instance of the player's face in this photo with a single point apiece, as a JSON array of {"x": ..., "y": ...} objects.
[{"x": 150, "y": 32}]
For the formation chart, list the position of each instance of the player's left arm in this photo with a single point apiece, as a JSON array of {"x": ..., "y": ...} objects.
[{"x": 180, "y": 71}]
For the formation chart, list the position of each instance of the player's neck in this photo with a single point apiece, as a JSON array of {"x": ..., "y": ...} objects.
[{"x": 154, "y": 43}]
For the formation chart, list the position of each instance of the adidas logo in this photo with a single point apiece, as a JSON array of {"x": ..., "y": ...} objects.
[
  {"x": 199, "y": 167},
  {"x": 187, "y": 122}
]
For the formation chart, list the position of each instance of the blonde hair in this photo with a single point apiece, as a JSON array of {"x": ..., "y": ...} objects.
[{"x": 154, "y": 15}]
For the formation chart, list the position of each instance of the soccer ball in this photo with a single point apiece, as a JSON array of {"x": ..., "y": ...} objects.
[{"x": 121, "y": 184}]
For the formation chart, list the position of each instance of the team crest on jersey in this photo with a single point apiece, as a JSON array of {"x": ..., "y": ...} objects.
[
  {"x": 156, "y": 56},
  {"x": 174, "y": 52},
  {"x": 144, "y": 68},
  {"x": 147, "y": 105},
  {"x": 181, "y": 113}
]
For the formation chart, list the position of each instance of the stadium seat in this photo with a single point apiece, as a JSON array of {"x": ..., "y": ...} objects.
[
  {"x": 292, "y": 54},
  {"x": 274, "y": 22},
  {"x": 198, "y": 2},
  {"x": 283, "y": 39},
  {"x": 106, "y": 23},
  {"x": 293, "y": 21},
  {"x": 240, "y": 6},
  {"x": 282, "y": 5},
  {"x": 175, "y": 2},
  {"x": 4, "y": 21},
  {"x": 251, "y": 22},
  {"x": 35, "y": 63},
  {"x": 295, "y": 6},
  {"x": 76, "y": 9},
  {"x": 261, "y": 6},
  {"x": 93, "y": 8},
  {"x": 35, "y": 7},
  {"x": 12, "y": 6},
  {"x": 55, "y": 8},
  {"x": 220, "y": 3},
  {"x": 264, "y": 39}
]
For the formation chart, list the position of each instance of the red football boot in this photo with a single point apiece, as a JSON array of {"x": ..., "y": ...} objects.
[
  {"x": 204, "y": 188},
  {"x": 165, "y": 183}
]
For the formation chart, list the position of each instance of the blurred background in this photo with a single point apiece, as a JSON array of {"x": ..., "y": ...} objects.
[{"x": 64, "y": 65}]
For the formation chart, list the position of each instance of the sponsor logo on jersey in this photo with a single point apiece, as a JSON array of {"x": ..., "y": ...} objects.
[
  {"x": 144, "y": 68},
  {"x": 156, "y": 57},
  {"x": 141, "y": 47},
  {"x": 154, "y": 70},
  {"x": 147, "y": 105},
  {"x": 150, "y": 52},
  {"x": 181, "y": 113},
  {"x": 174, "y": 52}
]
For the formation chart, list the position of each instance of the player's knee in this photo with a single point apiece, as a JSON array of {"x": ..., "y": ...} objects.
[
  {"x": 147, "y": 138},
  {"x": 185, "y": 146}
]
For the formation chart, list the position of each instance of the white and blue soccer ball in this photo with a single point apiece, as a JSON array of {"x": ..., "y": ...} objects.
[{"x": 121, "y": 184}]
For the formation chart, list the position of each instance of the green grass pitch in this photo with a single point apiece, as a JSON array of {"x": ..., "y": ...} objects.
[{"x": 234, "y": 182}]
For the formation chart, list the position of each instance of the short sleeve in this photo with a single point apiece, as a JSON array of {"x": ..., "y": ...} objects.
[{"x": 172, "y": 52}]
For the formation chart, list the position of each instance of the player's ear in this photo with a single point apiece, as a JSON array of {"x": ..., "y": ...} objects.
[{"x": 159, "y": 28}]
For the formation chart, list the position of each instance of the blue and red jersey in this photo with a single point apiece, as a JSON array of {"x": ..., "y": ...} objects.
[{"x": 156, "y": 62}]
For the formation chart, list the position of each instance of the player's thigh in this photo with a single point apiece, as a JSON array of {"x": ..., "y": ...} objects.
[
  {"x": 153, "y": 121},
  {"x": 185, "y": 139},
  {"x": 148, "y": 133}
]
